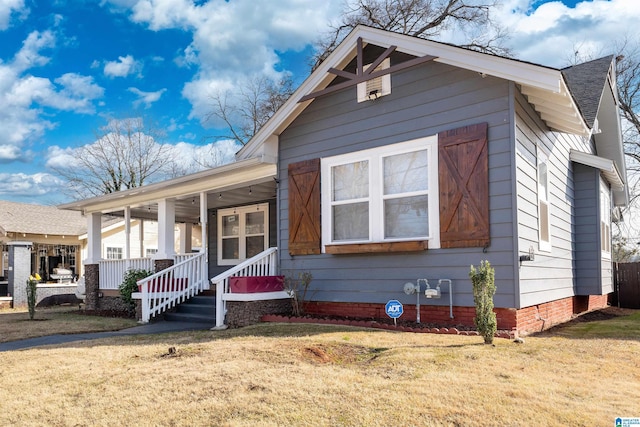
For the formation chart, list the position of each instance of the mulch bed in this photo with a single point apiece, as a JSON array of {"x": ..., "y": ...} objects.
[
  {"x": 407, "y": 326},
  {"x": 387, "y": 324}
]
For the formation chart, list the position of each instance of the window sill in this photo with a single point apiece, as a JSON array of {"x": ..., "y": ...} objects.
[{"x": 363, "y": 248}]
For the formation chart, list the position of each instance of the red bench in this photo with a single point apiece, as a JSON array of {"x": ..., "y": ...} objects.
[{"x": 254, "y": 284}]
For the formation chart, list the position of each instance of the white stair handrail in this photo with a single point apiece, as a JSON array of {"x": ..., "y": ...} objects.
[
  {"x": 263, "y": 264},
  {"x": 172, "y": 286}
]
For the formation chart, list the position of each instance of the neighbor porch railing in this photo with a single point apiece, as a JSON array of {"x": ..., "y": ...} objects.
[
  {"x": 263, "y": 264},
  {"x": 172, "y": 286},
  {"x": 112, "y": 270}
]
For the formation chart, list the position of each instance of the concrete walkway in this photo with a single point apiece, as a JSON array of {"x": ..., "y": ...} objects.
[{"x": 149, "y": 328}]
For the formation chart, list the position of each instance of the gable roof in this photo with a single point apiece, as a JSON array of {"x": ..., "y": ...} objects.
[
  {"x": 545, "y": 88},
  {"x": 37, "y": 219},
  {"x": 586, "y": 82},
  {"x": 573, "y": 100}
]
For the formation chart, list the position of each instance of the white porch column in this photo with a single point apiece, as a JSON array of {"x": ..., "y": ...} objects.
[
  {"x": 166, "y": 229},
  {"x": 204, "y": 209},
  {"x": 94, "y": 238},
  {"x": 127, "y": 233},
  {"x": 186, "y": 231},
  {"x": 141, "y": 238}
]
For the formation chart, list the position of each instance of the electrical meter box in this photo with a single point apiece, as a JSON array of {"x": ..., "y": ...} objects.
[{"x": 432, "y": 293}]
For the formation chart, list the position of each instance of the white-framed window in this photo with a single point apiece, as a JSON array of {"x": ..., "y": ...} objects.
[
  {"x": 605, "y": 220},
  {"x": 243, "y": 232},
  {"x": 113, "y": 252},
  {"x": 376, "y": 87},
  {"x": 150, "y": 252},
  {"x": 385, "y": 194},
  {"x": 544, "y": 223}
]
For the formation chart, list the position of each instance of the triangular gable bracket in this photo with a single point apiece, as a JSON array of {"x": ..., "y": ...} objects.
[{"x": 363, "y": 75}]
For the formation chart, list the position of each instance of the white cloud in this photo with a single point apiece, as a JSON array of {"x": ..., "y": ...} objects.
[
  {"x": 232, "y": 40},
  {"x": 146, "y": 98},
  {"x": 25, "y": 98},
  {"x": 29, "y": 56},
  {"x": 124, "y": 66},
  {"x": 9, "y": 8},
  {"x": 552, "y": 33},
  {"x": 190, "y": 158},
  {"x": 20, "y": 185},
  {"x": 9, "y": 153},
  {"x": 58, "y": 157}
]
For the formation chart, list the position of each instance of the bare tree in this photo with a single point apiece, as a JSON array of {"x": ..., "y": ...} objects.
[
  {"x": 628, "y": 73},
  {"x": 246, "y": 110},
  {"x": 126, "y": 154},
  {"x": 419, "y": 18}
]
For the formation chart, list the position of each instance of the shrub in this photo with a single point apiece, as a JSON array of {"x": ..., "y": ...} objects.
[
  {"x": 129, "y": 284},
  {"x": 484, "y": 287},
  {"x": 32, "y": 288},
  {"x": 294, "y": 287}
]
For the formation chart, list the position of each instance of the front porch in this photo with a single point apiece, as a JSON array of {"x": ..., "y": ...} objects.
[{"x": 211, "y": 226}]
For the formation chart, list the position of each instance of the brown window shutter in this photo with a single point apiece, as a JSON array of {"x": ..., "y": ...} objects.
[
  {"x": 463, "y": 163},
  {"x": 304, "y": 207}
]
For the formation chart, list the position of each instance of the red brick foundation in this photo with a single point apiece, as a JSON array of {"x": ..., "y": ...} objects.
[{"x": 522, "y": 322}]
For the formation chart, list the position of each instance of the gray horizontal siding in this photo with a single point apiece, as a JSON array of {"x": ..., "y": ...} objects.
[
  {"x": 552, "y": 275},
  {"x": 424, "y": 101},
  {"x": 587, "y": 229}
]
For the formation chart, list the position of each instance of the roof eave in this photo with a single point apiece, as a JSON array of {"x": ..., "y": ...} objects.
[
  {"x": 188, "y": 184},
  {"x": 545, "y": 81}
]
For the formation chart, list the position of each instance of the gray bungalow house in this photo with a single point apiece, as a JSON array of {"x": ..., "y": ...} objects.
[{"x": 402, "y": 160}]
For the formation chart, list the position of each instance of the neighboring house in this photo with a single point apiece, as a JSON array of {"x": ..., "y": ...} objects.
[
  {"x": 53, "y": 233},
  {"x": 57, "y": 242},
  {"x": 429, "y": 160}
]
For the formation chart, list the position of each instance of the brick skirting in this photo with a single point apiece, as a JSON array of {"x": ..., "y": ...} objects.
[
  {"x": 244, "y": 313},
  {"x": 522, "y": 322}
]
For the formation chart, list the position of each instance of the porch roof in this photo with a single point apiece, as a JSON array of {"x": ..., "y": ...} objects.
[{"x": 258, "y": 171}]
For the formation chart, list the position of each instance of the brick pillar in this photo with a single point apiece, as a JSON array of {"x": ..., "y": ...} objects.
[
  {"x": 162, "y": 264},
  {"x": 92, "y": 285},
  {"x": 19, "y": 271}
]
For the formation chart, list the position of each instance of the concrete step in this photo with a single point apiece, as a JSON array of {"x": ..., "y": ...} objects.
[
  {"x": 198, "y": 309},
  {"x": 204, "y": 309},
  {"x": 190, "y": 318}
]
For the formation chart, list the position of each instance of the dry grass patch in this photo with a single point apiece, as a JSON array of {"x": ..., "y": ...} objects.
[
  {"x": 313, "y": 375},
  {"x": 15, "y": 323}
]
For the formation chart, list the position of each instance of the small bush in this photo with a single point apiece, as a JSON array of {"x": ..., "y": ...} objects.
[
  {"x": 484, "y": 287},
  {"x": 129, "y": 284},
  {"x": 297, "y": 288},
  {"x": 32, "y": 288}
]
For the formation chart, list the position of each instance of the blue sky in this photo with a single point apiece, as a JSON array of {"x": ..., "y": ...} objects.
[{"x": 67, "y": 67}]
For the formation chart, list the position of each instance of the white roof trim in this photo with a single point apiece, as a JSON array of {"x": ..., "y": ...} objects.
[
  {"x": 547, "y": 84},
  {"x": 606, "y": 166}
]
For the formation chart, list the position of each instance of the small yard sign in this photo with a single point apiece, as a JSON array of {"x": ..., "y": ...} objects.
[{"x": 393, "y": 308}]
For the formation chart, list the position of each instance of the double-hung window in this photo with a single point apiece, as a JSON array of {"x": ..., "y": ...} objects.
[
  {"x": 605, "y": 220},
  {"x": 243, "y": 232},
  {"x": 113, "y": 252},
  {"x": 544, "y": 224},
  {"x": 387, "y": 194}
]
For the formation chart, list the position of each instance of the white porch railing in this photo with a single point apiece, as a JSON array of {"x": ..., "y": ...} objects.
[
  {"x": 183, "y": 257},
  {"x": 173, "y": 285},
  {"x": 263, "y": 264},
  {"x": 112, "y": 270}
]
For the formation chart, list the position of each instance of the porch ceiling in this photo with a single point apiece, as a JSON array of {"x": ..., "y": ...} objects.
[{"x": 188, "y": 206}]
